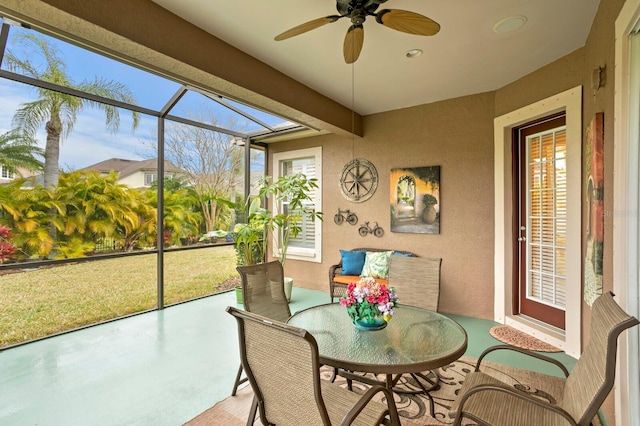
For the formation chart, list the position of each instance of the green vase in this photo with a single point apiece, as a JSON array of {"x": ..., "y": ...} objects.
[{"x": 370, "y": 323}]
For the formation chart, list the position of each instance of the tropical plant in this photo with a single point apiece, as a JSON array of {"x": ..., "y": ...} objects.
[
  {"x": 56, "y": 110},
  {"x": 26, "y": 211},
  {"x": 249, "y": 237},
  {"x": 293, "y": 195},
  {"x": 19, "y": 151},
  {"x": 180, "y": 215},
  {"x": 98, "y": 206}
]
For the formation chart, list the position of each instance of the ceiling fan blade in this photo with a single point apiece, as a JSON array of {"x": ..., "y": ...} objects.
[
  {"x": 353, "y": 42},
  {"x": 407, "y": 22},
  {"x": 307, "y": 26}
]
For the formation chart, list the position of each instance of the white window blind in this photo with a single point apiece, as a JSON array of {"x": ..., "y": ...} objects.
[
  {"x": 547, "y": 217},
  {"x": 307, "y": 245},
  {"x": 307, "y": 236}
]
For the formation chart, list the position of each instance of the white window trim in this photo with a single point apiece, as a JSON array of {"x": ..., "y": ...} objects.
[
  {"x": 569, "y": 101},
  {"x": 4, "y": 170},
  {"x": 309, "y": 255},
  {"x": 626, "y": 234}
]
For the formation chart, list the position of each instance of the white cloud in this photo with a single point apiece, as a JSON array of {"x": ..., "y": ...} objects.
[{"x": 90, "y": 142}]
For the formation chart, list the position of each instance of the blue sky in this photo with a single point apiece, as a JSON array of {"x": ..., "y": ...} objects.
[{"x": 90, "y": 142}]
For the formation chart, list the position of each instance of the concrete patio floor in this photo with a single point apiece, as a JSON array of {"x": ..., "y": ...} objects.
[{"x": 157, "y": 368}]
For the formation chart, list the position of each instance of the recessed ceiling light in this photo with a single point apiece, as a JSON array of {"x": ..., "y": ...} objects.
[
  {"x": 509, "y": 24},
  {"x": 413, "y": 53}
]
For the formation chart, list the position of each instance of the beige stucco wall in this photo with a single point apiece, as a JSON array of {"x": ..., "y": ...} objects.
[{"x": 457, "y": 135}]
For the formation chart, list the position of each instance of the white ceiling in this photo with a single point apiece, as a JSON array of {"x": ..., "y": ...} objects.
[{"x": 464, "y": 58}]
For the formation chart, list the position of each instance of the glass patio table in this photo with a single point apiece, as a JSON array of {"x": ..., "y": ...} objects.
[{"x": 415, "y": 340}]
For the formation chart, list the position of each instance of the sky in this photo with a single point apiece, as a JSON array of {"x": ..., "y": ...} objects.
[{"x": 90, "y": 142}]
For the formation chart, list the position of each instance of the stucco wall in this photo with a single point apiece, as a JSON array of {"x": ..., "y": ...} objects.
[
  {"x": 572, "y": 70},
  {"x": 455, "y": 134}
]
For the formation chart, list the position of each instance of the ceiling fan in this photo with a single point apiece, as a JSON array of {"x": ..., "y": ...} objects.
[{"x": 357, "y": 12}]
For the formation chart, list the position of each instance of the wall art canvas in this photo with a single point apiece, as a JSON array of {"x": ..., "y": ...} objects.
[
  {"x": 415, "y": 200},
  {"x": 594, "y": 196}
]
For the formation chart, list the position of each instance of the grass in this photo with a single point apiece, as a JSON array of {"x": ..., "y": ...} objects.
[{"x": 38, "y": 303}]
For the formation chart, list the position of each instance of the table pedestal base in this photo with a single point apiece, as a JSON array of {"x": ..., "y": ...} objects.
[{"x": 424, "y": 383}]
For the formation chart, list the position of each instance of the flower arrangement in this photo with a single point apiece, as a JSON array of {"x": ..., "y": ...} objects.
[{"x": 367, "y": 300}]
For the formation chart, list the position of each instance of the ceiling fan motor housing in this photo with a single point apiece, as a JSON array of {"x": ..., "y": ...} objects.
[{"x": 357, "y": 8}]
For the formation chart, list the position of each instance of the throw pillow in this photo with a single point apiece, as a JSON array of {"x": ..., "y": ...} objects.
[
  {"x": 376, "y": 264},
  {"x": 352, "y": 262},
  {"x": 397, "y": 253}
]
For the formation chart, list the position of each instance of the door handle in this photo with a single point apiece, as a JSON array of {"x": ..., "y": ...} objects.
[{"x": 523, "y": 238}]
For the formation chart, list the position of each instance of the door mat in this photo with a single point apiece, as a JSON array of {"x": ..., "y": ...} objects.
[{"x": 517, "y": 338}]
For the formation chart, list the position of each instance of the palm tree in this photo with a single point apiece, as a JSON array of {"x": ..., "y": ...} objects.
[
  {"x": 58, "y": 111},
  {"x": 18, "y": 151}
]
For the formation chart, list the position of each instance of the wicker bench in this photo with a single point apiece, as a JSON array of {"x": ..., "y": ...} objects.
[{"x": 338, "y": 283}]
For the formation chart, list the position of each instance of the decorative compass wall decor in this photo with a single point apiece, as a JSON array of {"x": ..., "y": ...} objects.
[{"x": 359, "y": 180}]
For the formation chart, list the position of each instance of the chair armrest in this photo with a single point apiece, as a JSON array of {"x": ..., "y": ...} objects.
[
  {"x": 350, "y": 417},
  {"x": 525, "y": 352},
  {"x": 514, "y": 393},
  {"x": 333, "y": 270}
]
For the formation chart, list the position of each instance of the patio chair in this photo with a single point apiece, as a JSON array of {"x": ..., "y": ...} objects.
[
  {"x": 417, "y": 280},
  {"x": 417, "y": 283},
  {"x": 283, "y": 366},
  {"x": 263, "y": 294},
  {"x": 487, "y": 401}
]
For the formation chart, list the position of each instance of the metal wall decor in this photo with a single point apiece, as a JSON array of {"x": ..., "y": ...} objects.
[
  {"x": 359, "y": 180},
  {"x": 343, "y": 215},
  {"x": 365, "y": 230}
]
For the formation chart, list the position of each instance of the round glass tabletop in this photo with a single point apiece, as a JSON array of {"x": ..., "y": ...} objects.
[{"x": 414, "y": 340}]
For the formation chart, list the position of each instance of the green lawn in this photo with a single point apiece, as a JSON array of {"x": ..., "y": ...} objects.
[{"x": 37, "y": 303}]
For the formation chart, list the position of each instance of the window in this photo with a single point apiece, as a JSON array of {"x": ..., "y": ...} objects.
[
  {"x": 149, "y": 178},
  {"x": 6, "y": 173},
  {"x": 308, "y": 244}
]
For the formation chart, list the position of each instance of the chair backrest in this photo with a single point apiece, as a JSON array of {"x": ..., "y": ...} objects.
[
  {"x": 417, "y": 280},
  {"x": 282, "y": 364},
  {"x": 263, "y": 290},
  {"x": 592, "y": 378}
]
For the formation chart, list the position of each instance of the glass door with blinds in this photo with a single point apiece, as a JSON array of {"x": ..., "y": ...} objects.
[{"x": 542, "y": 226}]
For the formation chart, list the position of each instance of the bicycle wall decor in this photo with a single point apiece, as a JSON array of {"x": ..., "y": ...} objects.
[
  {"x": 365, "y": 230},
  {"x": 343, "y": 215}
]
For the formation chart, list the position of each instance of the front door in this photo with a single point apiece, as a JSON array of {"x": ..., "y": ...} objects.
[{"x": 541, "y": 194}]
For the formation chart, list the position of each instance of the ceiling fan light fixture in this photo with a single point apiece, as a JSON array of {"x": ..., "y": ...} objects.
[
  {"x": 413, "y": 53},
  {"x": 509, "y": 24}
]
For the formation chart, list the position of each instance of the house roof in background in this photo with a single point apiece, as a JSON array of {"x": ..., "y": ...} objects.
[{"x": 128, "y": 167}]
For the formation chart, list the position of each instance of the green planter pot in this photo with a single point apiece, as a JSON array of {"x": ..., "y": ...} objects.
[{"x": 239, "y": 295}]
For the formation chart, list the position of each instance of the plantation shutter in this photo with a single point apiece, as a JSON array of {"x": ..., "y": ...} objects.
[
  {"x": 547, "y": 217},
  {"x": 307, "y": 236}
]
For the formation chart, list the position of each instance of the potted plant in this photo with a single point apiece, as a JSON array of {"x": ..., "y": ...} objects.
[
  {"x": 248, "y": 242},
  {"x": 252, "y": 238},
  {"x": 429, "y": 212}
]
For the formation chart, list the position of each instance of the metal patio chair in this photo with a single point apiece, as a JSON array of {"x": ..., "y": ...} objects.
[
  {"x": 417, "y": 283},
  {"x": 263, "y": 294},
  {"x": 283, "y": 366},
  {"x": 487, "y": 401}
]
